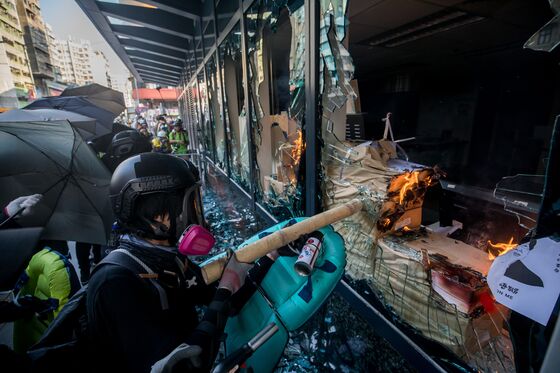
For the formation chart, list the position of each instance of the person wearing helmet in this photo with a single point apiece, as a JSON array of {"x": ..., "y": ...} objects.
[
  {"x": 178, "y": 138},
  {"x": 160, "y": 144},
  {"x": 162, "y": 124},
  {"x": 125, "y": 144},
  {"x": 139, "y": 323},
  {"x": 140, "y": 122}
]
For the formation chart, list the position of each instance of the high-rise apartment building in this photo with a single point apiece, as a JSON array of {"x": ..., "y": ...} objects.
[
  {"x": 123, "y": 84},
  {"x": 100, "y": 69},
  {"x": 16, "y": 82},
  {"x": 74, "y": 60},
  {"x": 57, "y": 85},
  {"x": 36, "y": 43},
  {"x": 64, "y": 61},
  {"x": 53, "y": 52},
  {"x": 80, "y": 53}
]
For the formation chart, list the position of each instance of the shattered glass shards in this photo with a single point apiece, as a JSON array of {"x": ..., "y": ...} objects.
[
  {"x": 338, "y": 9},
  {"x": 230, "y": 219},
  {"x": 548, "y": 37},
  {"x": 337, "y": 339},
  {"x": 336, "y": 59},
  {"x": 335, "y": 99}
]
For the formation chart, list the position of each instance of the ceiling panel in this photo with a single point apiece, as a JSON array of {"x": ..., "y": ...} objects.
[{"x": 394, "y": 13}]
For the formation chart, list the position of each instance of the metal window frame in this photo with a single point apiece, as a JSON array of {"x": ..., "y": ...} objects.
[
  {"x": 225, "y": 118},
  {"x": 312, "y": 125},
  {"x": 248, "y": 107}
]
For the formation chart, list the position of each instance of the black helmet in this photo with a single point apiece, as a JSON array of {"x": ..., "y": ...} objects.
[
  {"x": 178, "y": 122},
  {"x": 152, "y": 173},
  {"x": 128, "y": 143}
]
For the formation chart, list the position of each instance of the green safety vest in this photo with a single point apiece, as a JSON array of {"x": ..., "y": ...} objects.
[{"x": 179, "y": 148}]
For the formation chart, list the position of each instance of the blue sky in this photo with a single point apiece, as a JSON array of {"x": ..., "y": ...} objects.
[{"x": 66, "y": 18}]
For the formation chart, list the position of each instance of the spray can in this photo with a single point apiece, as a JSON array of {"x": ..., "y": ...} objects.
[{"x": 309, "y": 253}]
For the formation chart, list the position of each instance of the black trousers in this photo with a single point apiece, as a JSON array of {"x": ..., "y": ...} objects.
[{"x": 82, "y": 252}]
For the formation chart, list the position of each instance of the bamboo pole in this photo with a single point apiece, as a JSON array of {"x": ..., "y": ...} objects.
[{"x": 212, "y": 271}]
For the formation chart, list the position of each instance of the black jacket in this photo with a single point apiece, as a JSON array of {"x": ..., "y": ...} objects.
[{"x": 128, "y": 329}]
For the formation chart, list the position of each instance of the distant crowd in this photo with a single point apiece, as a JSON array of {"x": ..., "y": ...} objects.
[{"x": 166, "y": 135}]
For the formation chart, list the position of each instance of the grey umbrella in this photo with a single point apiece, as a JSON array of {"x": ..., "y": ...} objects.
[
  {"x": 50, "y": 158},
  {"x": 86, "y": 126},
  {"x": 101, "y": 96}
]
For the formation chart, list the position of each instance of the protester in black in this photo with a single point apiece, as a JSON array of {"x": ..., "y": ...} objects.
[
  {"x": 124, "y": 145},
  {"x": 139, "y": 322}
]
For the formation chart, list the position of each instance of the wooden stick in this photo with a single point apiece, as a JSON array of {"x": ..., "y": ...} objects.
[{"x": 213, "y": 271}]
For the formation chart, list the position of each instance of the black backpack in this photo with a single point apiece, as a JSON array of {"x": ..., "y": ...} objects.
[{"x": 64, "y": 345}]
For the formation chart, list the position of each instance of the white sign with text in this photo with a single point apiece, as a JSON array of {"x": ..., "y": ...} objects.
[{"x": 528, "y": 281}]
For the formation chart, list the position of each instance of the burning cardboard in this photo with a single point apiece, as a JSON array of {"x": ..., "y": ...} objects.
[{"x": 434, "y": 283}]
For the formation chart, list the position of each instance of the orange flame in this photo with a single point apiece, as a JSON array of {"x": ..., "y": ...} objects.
[
  {"x": 501, "y": 247},
  {"x": 386, "y": 222},
  {"x": 411, "y": 181},
  {"x": 298, "y": 148}
]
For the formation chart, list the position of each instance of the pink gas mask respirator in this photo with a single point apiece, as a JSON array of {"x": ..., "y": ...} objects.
[{"x": 195, "y": 240}]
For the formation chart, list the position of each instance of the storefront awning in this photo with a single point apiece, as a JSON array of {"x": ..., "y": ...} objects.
[{"x": 164, "y": 94}]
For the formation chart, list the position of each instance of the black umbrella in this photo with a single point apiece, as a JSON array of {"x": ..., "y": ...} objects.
[
  {"x": 50, "y": 158},
  {"x": 86, "y": 126},
  {"x": 101, "y": 96},
  {"x": 80, "y": 105}
]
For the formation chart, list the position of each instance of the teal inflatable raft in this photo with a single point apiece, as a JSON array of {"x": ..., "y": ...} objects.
[{"x": 286, "y": 299}]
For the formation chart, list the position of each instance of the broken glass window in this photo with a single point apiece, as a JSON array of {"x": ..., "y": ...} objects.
[
  {"x": 275, "y": 31},
  {"x": 336, "y": 72},
  {"x": 336, "y": 58},
  {"x": 206, "y": 123},
  {"x": 232, "y": 77},
  {"x": 215, "y": 106}
]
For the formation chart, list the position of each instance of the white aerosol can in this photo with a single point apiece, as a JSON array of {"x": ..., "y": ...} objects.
[{"x": 309, "y": 253}]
